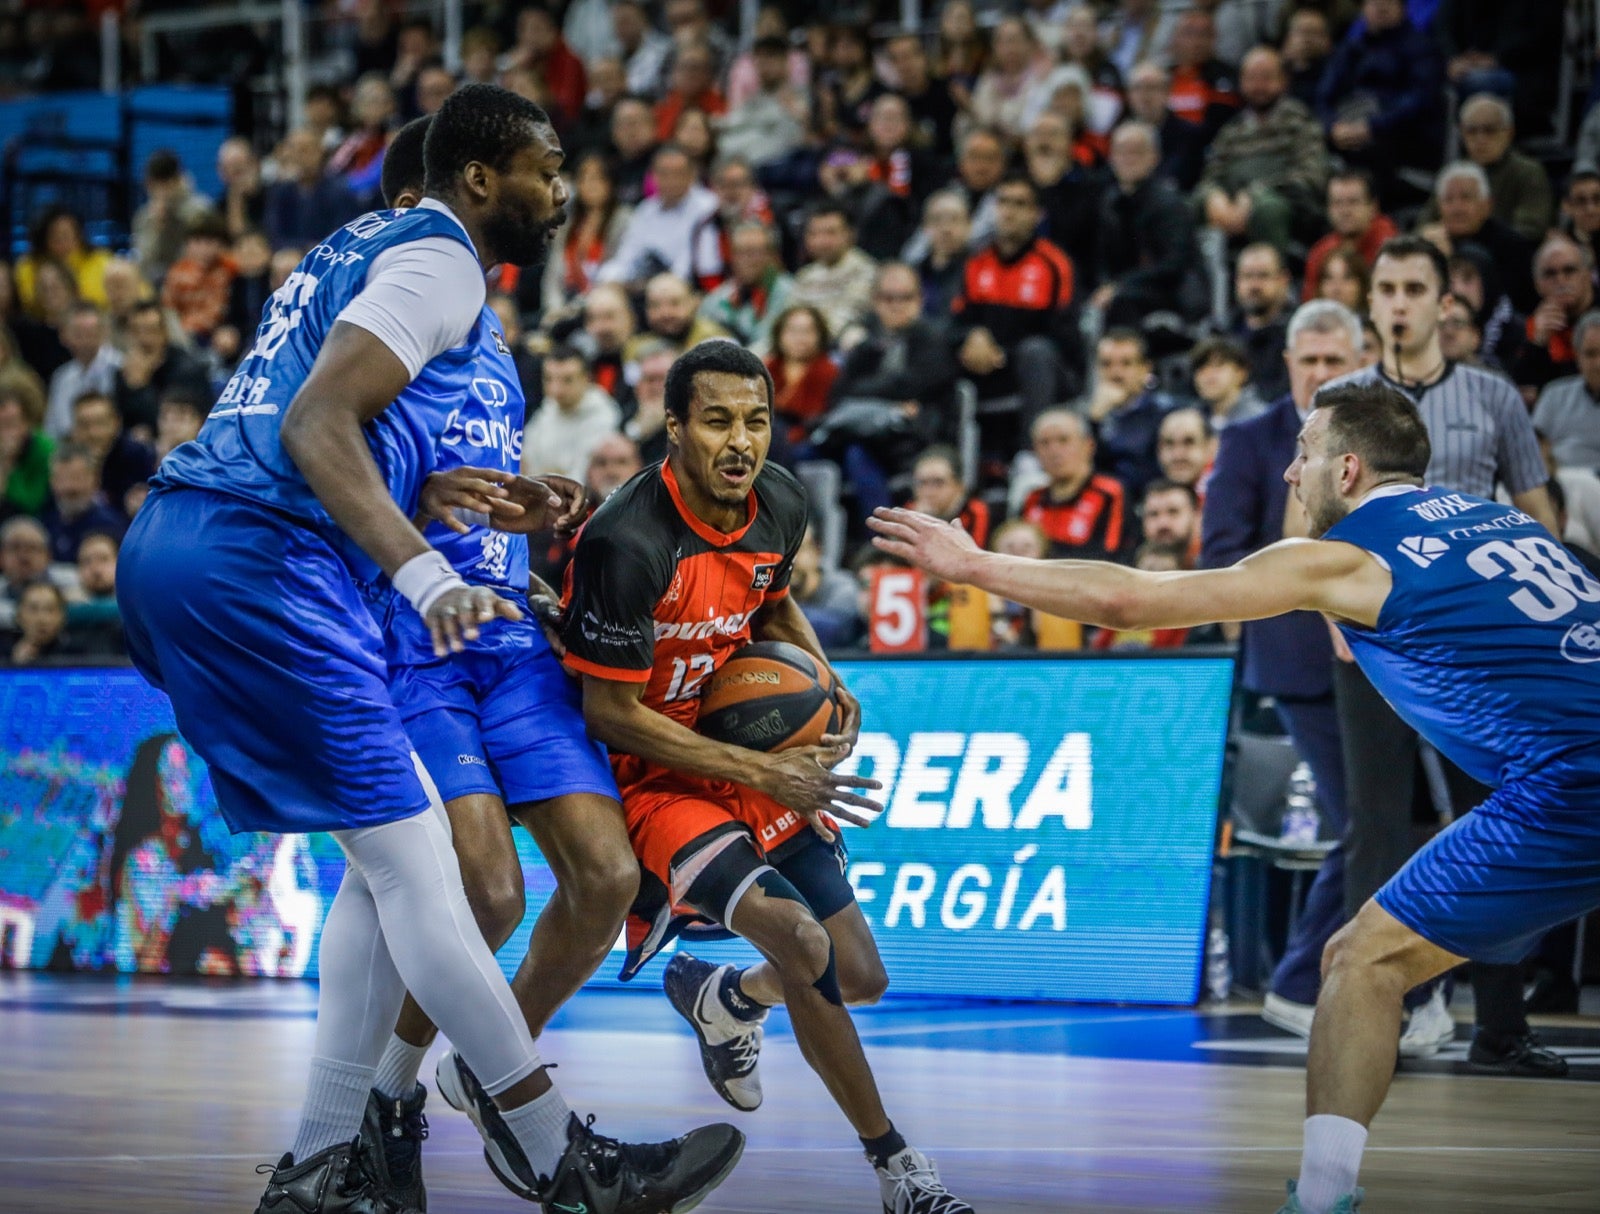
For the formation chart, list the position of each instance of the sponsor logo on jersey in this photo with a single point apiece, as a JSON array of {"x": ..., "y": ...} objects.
[
  {"x": 500, "y": 341},
  {"x": 762, "y": 577},
  {"x": 1581, "y": 644},
  {"x": 1423, "y": 550},
  {"x": 491, "y": 392},
  {"x": 601, "y": 632},
  {"x": 470, "y": 761},
  {"x": 1504, "y": 523},
  {"x": 699, "y": 630}
]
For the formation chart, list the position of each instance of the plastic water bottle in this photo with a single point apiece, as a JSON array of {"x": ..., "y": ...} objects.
[
  {"x": 1219, "y": 966},
  {"x": 1301, "y": 820}
]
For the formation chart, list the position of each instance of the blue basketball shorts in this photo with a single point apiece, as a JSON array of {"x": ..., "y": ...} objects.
[
  {"x": 506, "y": 721},
  {"x": 1488, "y": 886},
  {"x": 253, "y": 626}
]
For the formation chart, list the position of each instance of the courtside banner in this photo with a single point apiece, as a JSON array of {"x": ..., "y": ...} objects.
[{"x": 1047, "y": 834}]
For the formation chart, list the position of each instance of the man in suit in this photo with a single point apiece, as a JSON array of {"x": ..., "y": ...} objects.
[{"x": 1290, "y": 657}]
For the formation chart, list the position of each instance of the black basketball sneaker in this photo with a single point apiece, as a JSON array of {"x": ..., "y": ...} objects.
[
  {"x": 330, "y": 1182},
  {"x": 390, "y": 1143},
  {"x": 730, "y": 1047},
  {"x": 596, "y": 1174}
]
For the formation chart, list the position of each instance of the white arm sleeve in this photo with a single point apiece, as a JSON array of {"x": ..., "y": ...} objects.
[{"x": 421, "y": 299}]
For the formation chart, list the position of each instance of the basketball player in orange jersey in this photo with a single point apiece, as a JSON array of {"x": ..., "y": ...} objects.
[{"x": 684, "y": 564}]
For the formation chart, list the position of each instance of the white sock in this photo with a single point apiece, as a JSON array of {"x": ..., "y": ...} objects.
[
  {"x": 336, "y": 1100},
  {"x": 398, "y": 1071},
  {"x": 1331, "y": 1161},
  {"x": 540, "y": 1127}
]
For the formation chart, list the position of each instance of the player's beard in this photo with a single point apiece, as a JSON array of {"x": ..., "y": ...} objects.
[
  {"x": 1322, "y": 507},
  {"x": 517, "y": 235}
]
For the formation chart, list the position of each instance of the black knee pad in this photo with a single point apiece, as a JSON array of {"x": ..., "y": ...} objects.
[
  {"x": 828, "y": 985},
  {"x": 775, "y": 885}
]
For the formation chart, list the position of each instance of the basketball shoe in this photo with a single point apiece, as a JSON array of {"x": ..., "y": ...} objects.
[
  {"x": 330, "y": 1182},
  {"x": 391, "y": 1146},
  {"x": 1348, "y": 1204},
  {"x": 597, "y": 1175},
  {"x": 910, "y": 1184},
  {"x": 1431, "y": 1028},
  {"x": 730, "y": 1047}
]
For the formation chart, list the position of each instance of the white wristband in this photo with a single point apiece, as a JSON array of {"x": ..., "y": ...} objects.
[{"x": 424, "y": 578}]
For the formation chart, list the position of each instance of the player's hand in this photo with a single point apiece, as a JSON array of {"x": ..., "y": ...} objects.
[
  {"x": 547, "y": 501},
  {"x": 480, "y": 490},
  {"x": 803, "y": 779},
  {"x": 459, "y": 614},
  {"x": 545, "y": 605},
  {"x": 942, "y": 549},
  {"x": 849, "y": 720}
]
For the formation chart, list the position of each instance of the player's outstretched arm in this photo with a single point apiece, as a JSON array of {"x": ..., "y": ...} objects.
[
  {"x": 800, "y": 778},
  {"x": 1293, "y": 575}
]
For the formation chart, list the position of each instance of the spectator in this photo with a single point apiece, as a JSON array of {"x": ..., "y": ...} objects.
[
  {"x": 1508, "y": 49},
  {"x": 1580, "y": 208},
  {"x": 688, "y": 23},
  {"x": 416, "y": 47},
  {"x": 24, "y": 559},
  {"x": 1568, "y": 412},
  {"x": 243, "y": 201},
  {"x": 771, "y": 122},
  {"x": 648, "y": 425},
  {"x": 692, "y": 132},
  {"x": 435, "y": 82},
  {"x": 937, "y": 489},
  {"x": 1144, "y": 231},
  {"x": 1461, "y": 338},
  {"x": 92, "y": 612},
  {"x": 41, "y": 625},
  {"x": 772, "y": 27},
  {"x": 1354, "y": 216},
  {"x": 1381, "y": 96},
  {"x": 1266, "y": 171},
  {"x": 1080, "y": 47},
  {"x": 126, "y": 288},
  {"x": 802, "y": 372},
  {"x": 633, "y": 137},
  {"x": 827, "y": 597},
  {"x": 883, "y": 187},
  {"x": 1475, "y": 281},
  {"x": 980, "y": 167},
  {"x": 847, "y": 90},
  {"x": 159, "y": 226},
  {"x": 612, "y": 463},
  {"x": 121, "y": 461},
  {"x": 1134, "y": 32},
  {"x": 607, "y": 330},
  {"x": 1261, "y": 289},
  {"x": 150, "y": 366},
  {"x": 25, "y": 452},
  {"x": 671, "y": 313},
  {"x": 1186, "y": 446},
  {"x": 595, "y": 227},
  {"x": 1169, "y": 517},
  {"x": 1015, "y": 326},
  {"x": 961, "y": 49},
  {"x": 480, "y": 54},
  {"x": 658, "y": 234},
  {"x": 304, "y": 204},
  {"x": 933, "y": 109},
  {"x": 1204, "y": 92},
  {"x": 1082, "y": 513},
  {"x": 324, "y": 114},
  {"x": 76, "y": 505},
  {"x": 178, "y": 422},
  {"x": 1126, "y": 410},
  {"x": 54, "y": 296},
  {"x": 1342, "y": 276},
  {"x": 738, "y": 202},
  {"x": 540, "y": 48},
  {"x": 1517, "y": 182},
  {"x": 1306, "y": 48},
  {"x": 642, "y": 48},
  {"x": 57, "y": 236},
  {"x": 574, "y": 416},
  {"x": 692, "y": 85},
  {"x": 24, "y": 342},
  {"x": 1563, "y": 274},
  {"x": 758, "y": 291},
  {"x": 1180, "y": 144},
  {"x": 1013, "y": 626},
  {"x": 1068, "y": 191},
  {"x": 1466, "y": 212},
  {"x": 837, "y": 276},
  {"x": 247, "y": 296},
  {"x": 946, "y": 227},
  {"x": 92, "y": 367},
  {"x": 1017, "y": 65},
  {"x": 590, "y": 131},
  {"x": 1221, "y": 372},
  {"x": 198, "y": 285},
  {"x": 356, "y": 163}
]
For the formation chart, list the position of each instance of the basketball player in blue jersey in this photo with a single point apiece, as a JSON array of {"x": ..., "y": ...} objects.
[
  {"x": 500, "y": 724},
  {"x": 1482, "y": 632},
  {"x": 241, "y": 598}
]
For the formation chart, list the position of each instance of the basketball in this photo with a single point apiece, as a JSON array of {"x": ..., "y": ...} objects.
[{"x": 768, "y": 696}]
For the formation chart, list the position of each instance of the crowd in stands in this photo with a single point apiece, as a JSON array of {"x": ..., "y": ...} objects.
[{"x": 1021, "y": 268}]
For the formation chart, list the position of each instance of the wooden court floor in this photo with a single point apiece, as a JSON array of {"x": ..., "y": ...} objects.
[{"x": 166, "y": 1108}]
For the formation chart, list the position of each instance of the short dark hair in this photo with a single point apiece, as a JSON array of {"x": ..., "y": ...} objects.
[
  {"x": 1214, "y": 349},
  {"x": 1125, "y": 336},
  {"x": 93, "y": 395},
  {"x": 564, "y": 352},
  {"x": 1379, "y": 424},
  {"x": 827, "y": 206},
  {"x": 481, "y": 122},
  {"x": 943, "y": 452},
  {"x": 182, "y": 398},
  {"x": 1162, "y": 485},
  {"x": 719, "y": 356},
  {"x": 770, "y": 45},
  {"x": 1586, "y": 173},
  {"x": 403, "y": 166},
  {"x": 208, "y": 225},
  {"x": 71, "y": 452},
  {"x": 163, "y": 165},
  {"x": 99, "y": 533},
  {"x": 1368, "y": 182},
  {"x": 1416, "y": 246},
  {"x": 1015, "y": 178}
]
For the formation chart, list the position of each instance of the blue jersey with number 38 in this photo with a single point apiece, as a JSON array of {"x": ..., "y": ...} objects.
[
  {"x": 1489, "y": 641},
  {"x": 238, "y": 450}
]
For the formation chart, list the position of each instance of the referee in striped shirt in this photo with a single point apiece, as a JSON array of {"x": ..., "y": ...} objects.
[{"x": 1482, "y": 437}]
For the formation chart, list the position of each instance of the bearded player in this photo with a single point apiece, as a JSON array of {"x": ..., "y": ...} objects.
[{"x": 684, "y": 564}]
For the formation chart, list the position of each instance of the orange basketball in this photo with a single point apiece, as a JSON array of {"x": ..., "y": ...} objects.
[{"x": 768, "y": 696}]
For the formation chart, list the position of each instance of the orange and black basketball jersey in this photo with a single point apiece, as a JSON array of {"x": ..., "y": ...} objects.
[{"x": 655, "y": 595}]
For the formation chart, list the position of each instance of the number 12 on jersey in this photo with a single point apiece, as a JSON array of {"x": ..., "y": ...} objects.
[{"x": 687, "y": 676}]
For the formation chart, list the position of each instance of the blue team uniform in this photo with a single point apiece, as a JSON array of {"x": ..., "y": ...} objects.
[
  {"x": 1489, "y": 645},
  {"x": 241, "y": 598},
  {"x": 503, "y": 717}
]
